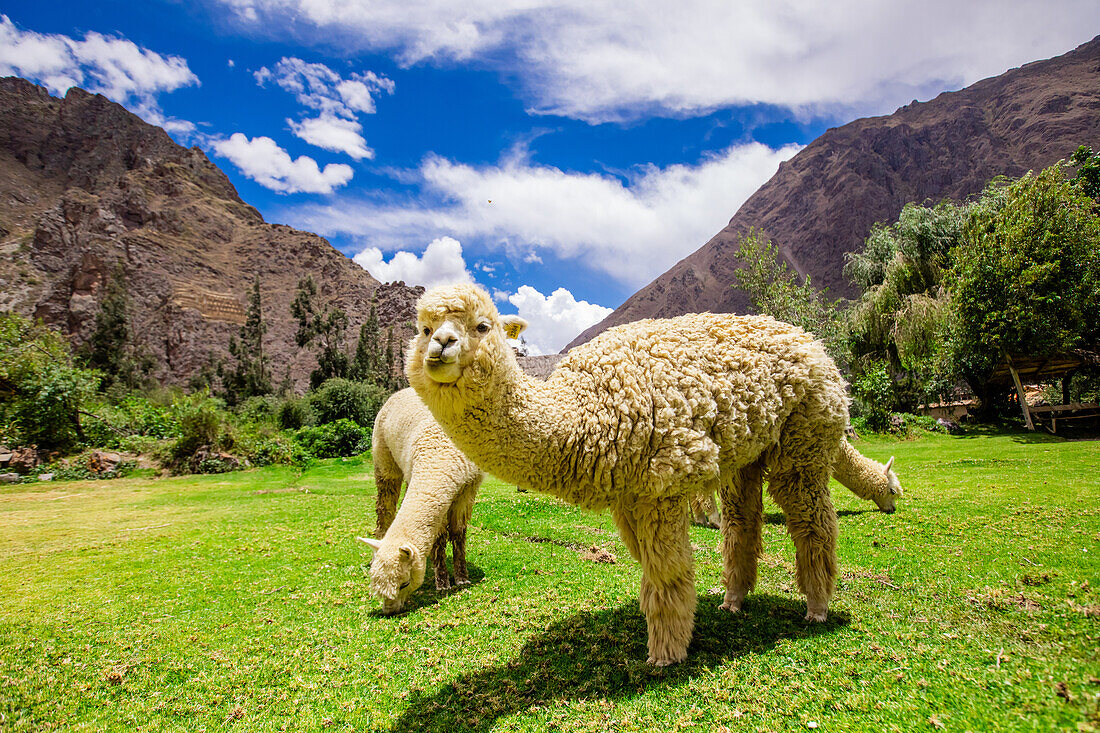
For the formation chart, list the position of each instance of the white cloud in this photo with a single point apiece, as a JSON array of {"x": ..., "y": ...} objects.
[
  {"x": 262, "y": 160},
  {"x": 114, "y": 67},
  {"x": 632, "y": 230},
  {"x": 553, "y": 320},
  {"x": 339, "y": 101},
  {"x": 333, "y": 133},
  {"x": 584, "y": 59},
  {"x": 440, "y": 264}
]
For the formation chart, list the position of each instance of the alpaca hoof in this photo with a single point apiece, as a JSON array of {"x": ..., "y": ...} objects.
[
  {"x": 665, "y": 661},
  {"x": 816, "y": 616},
  {"x": 731, "y": 606},
  {"x": 442, "y": 584},
  {"x": 462, "y": 581}
]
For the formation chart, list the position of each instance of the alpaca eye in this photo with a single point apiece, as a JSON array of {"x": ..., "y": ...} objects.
[
  {"x": 427, "y": 331},
  {"x": 483, "y": 328},
  {"x": 405, "y": 585}
]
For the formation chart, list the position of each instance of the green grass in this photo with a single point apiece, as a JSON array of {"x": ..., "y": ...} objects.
[{"x": 240, "y": 601}]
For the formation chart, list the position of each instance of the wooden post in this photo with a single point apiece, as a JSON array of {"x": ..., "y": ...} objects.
[{"x": 1020, "y": 394}]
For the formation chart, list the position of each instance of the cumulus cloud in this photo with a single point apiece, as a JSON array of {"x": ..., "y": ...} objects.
[
  {"x": 114, "y": 67},
  {"x": 581, "y": 59},
  {"x": 333, "y": 133},
  {"x": 631, "y": 229},
  {"x": 441, "y": 263},
  {"x": 337, "y": 100},
  {"x": 553, "y": 320},
  {"x": 262, "y": 160}
]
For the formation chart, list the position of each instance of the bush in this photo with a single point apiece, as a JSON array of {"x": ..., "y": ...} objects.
[
  {"x": 294, "y": 413},
  {"x": 341, "y": 438},
  {"x": 260, "y": 409},
  {"x": 338, "y": 399},
  {"x": 204, "y": 424},
  {"x": 874, "y": 393}
]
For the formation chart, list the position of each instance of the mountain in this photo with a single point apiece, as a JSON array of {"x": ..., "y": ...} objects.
[
  {"x": 822, "y": 203},
  {"x": 87, "y": 187}
]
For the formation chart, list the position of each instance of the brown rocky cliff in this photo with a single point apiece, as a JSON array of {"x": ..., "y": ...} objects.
[
  {"x": 86, "y": 187},
  {"x": 822, "y": 203}
]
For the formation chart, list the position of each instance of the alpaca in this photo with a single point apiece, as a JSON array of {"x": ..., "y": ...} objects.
[
  {"x": 409, "y": 446},
  {"x": 860, "y": 475},
  {"x": 638, "y": 419},
  {"x": 868, "y": 479}
]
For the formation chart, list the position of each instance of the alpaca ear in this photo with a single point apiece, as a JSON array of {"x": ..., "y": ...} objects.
[
  {"x": 374, "y": 544},
  {"x": 513, "y": 326},
  {"x": 889, "y": 463},
  {"x": 406, "y": 552}
]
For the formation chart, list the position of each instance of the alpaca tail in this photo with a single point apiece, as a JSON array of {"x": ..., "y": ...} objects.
[{"x": 867, "y": 479}]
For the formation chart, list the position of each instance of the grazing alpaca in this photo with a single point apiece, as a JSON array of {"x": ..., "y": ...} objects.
[
  {"x": 408, "y": 446},
  {"x": 638, "y": 419},
  {"x": 868, "y": 479}
]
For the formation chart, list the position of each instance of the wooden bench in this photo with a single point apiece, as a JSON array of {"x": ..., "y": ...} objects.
[{"x": 1055, "y": 413}]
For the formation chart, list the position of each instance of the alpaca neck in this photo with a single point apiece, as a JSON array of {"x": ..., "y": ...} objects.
[{"x": 515, "y": 427}]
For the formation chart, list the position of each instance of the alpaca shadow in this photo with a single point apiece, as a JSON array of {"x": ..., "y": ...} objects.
[
  {"x": 601, "y": 655},
  {"x": 780, "y": 518},
  {"x": 427, "y": 595}
]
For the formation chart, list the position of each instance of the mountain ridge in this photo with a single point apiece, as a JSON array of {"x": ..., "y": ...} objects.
[
  {"x": 87, "y": 187},
  {"x": 822, "y": 202}
]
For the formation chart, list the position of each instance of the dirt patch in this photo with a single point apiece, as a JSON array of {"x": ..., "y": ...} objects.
[{"x": 599, "y": 554}]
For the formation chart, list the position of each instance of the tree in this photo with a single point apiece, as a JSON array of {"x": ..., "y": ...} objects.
[
  {"x": 1026, "y": 277},
  {"x": 111, "y": 348},
  {"x": 775, "y": 290},
  {"x": 368, "y": 365},
  {"x": 41, "y": 390},
  {"x": 250, "y": 376},
  {"x": 327, "y": 326},
  {"x": 1088, "y": 171},
  {"x": 897, "y": 325}
]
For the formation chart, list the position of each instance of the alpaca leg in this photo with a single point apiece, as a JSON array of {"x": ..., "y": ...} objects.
[
  {"x": 811, "y": 521},
  {"x": 439, "y": 561},
  {"x": 742, "y": 521},
  {"x": 387, "y": 480},
  {"x": 657, "y": 532},
  {"x": 458, "y": 518},
  {"x": 385, "y": 508}
]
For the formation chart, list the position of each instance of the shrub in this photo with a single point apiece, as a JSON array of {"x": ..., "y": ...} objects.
[
  {"x": 874, "y": 391},
  {"x": 344, "y": 399},
  {"x": 261, "y": 408},
  {"x": 204, "y": 424},
  {"x": 336, "y": 439},
  {"x": 294, "y": 413}
]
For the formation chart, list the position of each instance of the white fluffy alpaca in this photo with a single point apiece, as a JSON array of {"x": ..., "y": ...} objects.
[
  {"x": 408, "y": 446},
  {"x": 638, "y": 419},
  {"x": 868, "y": 479}
]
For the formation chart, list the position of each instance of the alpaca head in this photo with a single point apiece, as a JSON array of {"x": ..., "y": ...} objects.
[
  {"x": 460, "y": 339},
  {"x": 893, "y": 489},
  {"x": 396, "y": 571}
]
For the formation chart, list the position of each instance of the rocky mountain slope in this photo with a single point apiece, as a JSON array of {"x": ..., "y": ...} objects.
[
  {"x": 821, "y": 203},
  {"x": 86, "y": 187}
]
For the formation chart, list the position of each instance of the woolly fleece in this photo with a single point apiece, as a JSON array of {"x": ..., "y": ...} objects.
[
  {"x": 639, "y": 418},
  {"x": 408, "y": 446}
]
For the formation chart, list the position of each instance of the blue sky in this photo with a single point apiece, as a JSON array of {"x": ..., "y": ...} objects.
[{"x": 561, "y": 154}]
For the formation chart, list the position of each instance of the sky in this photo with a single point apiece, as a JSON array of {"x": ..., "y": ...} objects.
[{"x": 560, "y": 154}]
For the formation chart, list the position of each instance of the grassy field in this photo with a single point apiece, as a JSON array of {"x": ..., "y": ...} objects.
[{"x": 240, "y": 602}]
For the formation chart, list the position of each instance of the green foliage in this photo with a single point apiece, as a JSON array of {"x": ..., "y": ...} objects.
[
  {"x": 369, "y": 364},
  {"x": 294, "y": 413},
  {"x": 204, "y": 423},
  {"x": 342, "y": 437},
  {"x": 900, "y": 319},
  {"x": 873, "y": 389},
  {"x": 111, "y": 348},
  {"x": 324, "y": 324},
  {"x": 250, "y": 375},
  {"x": 41, "y": 391},
  {"x": 260, "y": 409},
  {"x": 343, "y": 398},
  {"x": 775, "y": 290},
  {"x": 1026, "y": 278},
  {"x": 1087, "y": 177}
]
